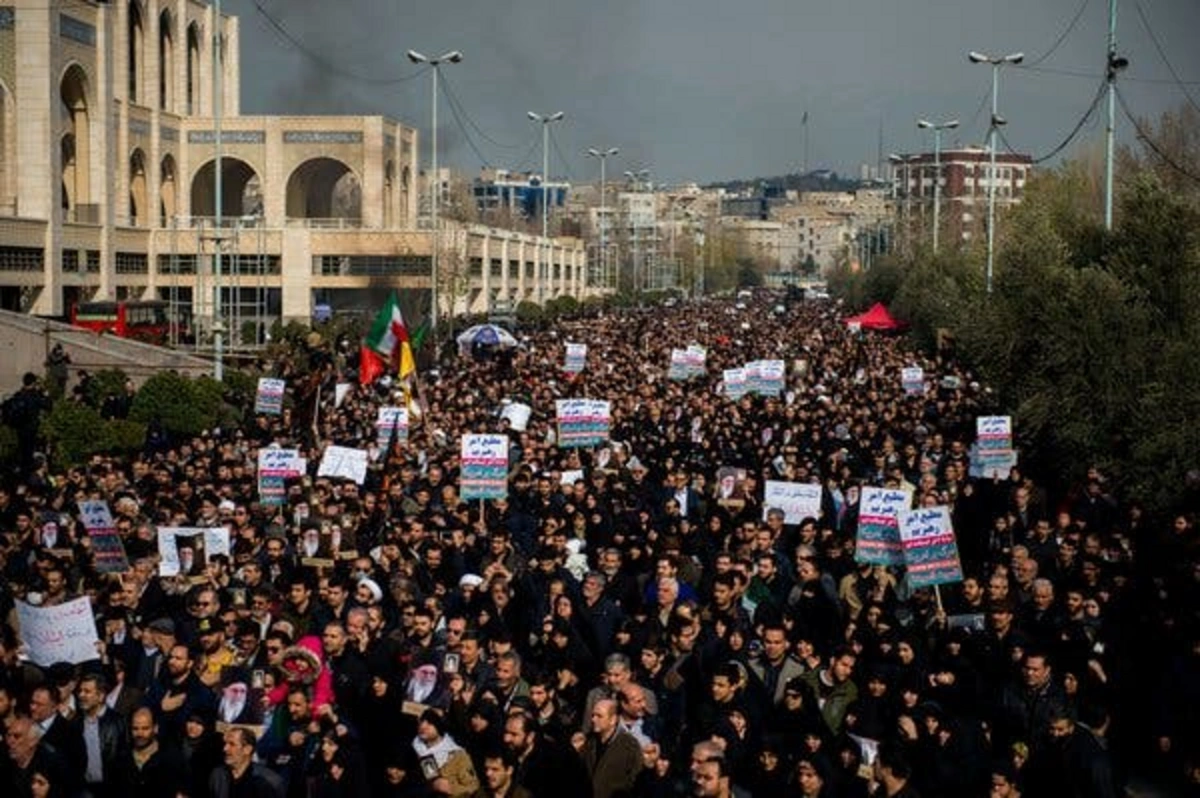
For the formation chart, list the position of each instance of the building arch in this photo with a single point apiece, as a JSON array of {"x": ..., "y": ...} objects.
[
  {"x": 193, "y": 68},
  {"x": 136, "y": 33},
  {"x": 389, "y": 194},
  {"x": 139, "y": 212},
  {"x": 8, "y": 146},
  {"x": 75, "y": 163},
  {"x": 166, "y": 60},
  {"x": 324, "y": 188},
  {"x": 241, "y": 189},
  {"x": 168, "y": 190}
]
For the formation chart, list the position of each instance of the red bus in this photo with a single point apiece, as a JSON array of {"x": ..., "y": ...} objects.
[{"x": 140, "y": 320}]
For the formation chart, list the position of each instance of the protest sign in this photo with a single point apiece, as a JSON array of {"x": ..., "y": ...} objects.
[
  {"x": 766, "y": 377},
  {"x": 391, "y": 422},
  {"x": 570, "y": 477},
  {"x": 912, "y": 379},
  {"x": 269, "y": 398},
  {"x": 678, "y": 370},
  {"x": 582, "y": 422},
  {"x": 735, "y": 383},
  {"x": 275, "y": 465},
  {"x": 341, "y": 462},
  {"x": 484, "y": 472},
  {"x": 696, "y": 357},
  {"x": 63, "y": 633},
  {"x": 878, "y": 540},
  {"x": 993, "y": 456},
  {"x": 108, "y": 552},
  {"x": 184, "y": 551},
  {"x": 930, "y": 550},
  {"x": 517, "y": 414},
  {"x": 576, "y": 358},
  {"x": 798, "y": 500}
]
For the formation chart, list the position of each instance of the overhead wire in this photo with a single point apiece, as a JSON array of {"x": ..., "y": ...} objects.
[
  {"x": 1162, "y": 53},
  {"x": 558, "y": 151},
  {"x": 1146, "y": 139},
  {"x": 1079, "y": 73},
  {"x": 453, "y": 97},
  {"x": 325, "y": 63},
  {"x": 463, "y": 128},
  {"x": 1062, "y": 36},
  {"x": 1083, "y": 120}
]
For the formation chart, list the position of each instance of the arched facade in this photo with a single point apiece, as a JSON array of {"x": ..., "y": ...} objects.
[
  {"x": 75, "y": 144},
  {"x": 166, "y": 61},
  {"x": 193, "y": 69},
  {"x": 168, "y": 191},
  {"x": 8, "y": 148},
  {"x": 137, "y": 50},
  {"x": 324, "y": 188},
  {"x": 241, "y": 192},
  {"x": 139, "y": 212}
]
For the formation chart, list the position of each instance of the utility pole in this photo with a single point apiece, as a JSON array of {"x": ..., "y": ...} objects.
[{"x": 1115, "y": 64}]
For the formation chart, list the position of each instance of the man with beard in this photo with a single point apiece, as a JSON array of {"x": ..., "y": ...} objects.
[
  {"x": 180, "y": 694},
  {"x": 348, "y": 668},
  {"x": 499, "y": 768},
  {"x": 544, "y": 767},
  {"x": 148, "y": 769},
  {"x": 1073, "y": 764},
  {"x": 215, "y": 656},
  {"x": 292, "y": 744},
  {"x": 423, "y": 686},
  {"x": 103, "y": 734}
]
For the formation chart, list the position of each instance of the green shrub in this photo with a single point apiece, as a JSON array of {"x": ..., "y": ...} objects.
[
  {"x": 104, "y": 383},
  {"x": 182, "y": 406},
  {"x": 73, "y": 433}
]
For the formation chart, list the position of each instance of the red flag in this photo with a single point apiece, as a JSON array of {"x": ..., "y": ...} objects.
[{"x": 370, "y": 365}]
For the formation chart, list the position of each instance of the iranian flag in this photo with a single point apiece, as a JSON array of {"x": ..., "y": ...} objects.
[{"x": 386, "y": 346}]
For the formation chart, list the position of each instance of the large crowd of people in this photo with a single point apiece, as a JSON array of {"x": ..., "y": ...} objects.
[{"x": 630, "y": 620}]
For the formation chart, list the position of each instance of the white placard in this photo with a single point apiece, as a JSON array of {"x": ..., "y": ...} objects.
[
  {"x": 570, "y": 477},
  {"x": 345, "y": 463},
  {"x": 517, "y": 414},
  {"x": 798, "y": 500},
  {"x": 62, "y": 633}
]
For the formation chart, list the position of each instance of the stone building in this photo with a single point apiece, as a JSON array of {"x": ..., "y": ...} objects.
[{"x": 108, "y": 148}]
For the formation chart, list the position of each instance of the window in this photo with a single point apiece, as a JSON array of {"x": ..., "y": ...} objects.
[
  {"x": 21, "y": 259},
  {"x": 370, "y": 265},
  {"x": 177, "y": 264},
  {"x": 132, "y": 263}
]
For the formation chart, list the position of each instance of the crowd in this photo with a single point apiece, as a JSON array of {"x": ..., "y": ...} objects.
[{"x": 624, "y": 630}]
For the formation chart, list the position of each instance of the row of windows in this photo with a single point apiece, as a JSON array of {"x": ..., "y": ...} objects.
[
  {"x": 132, "y": 263},
  {"x": 21, "y": 259},
  {"x": 76, "y": 260},
  {"x": 370, "y": 265}
]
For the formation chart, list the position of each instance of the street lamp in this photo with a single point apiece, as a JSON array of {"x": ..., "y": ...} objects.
[
  {"x": 996, "y": 61},
  {"x": 636, "y": 176},
  {"x": 452, "y": 57},
  {"x": 937, "y": 170},
  {"x": 904, "y": 211},
  {"x": 545, "y": 120},
  {"x": 603, "y": 156}
]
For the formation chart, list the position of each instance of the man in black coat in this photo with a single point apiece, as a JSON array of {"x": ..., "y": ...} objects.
[
  {"x": 102, "y": 736},
  {"x": 1073, "y": 765}
]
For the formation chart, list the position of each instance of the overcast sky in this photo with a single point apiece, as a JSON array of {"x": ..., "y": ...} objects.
[{"x": 711, "y": 89}]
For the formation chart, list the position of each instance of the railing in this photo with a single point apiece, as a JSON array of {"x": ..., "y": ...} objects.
[{"x": 335, "y": 223}]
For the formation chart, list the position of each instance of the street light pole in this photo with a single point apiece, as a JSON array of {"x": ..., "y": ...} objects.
[
  {"x": 603, "y": 156},
  {"x": 452, "y": 57},
  {"x": 937, "y": 129},
  {"x": 543, "y": 267},
  {"x": 996, "y": 62},
  {"x": 218, "y": 205},
  {"x": 636, "y": 177}
]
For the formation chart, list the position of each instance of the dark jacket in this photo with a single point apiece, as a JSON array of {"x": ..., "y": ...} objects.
[
  {"x": 114, "y": 741},
  {"x": 258, "y": 781},
  {"x": 613, "y": 767}
]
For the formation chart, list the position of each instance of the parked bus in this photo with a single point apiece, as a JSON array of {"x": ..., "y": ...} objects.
[{"x": 141, "y": 320}]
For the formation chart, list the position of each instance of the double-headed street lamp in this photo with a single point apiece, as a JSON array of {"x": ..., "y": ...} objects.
[
  {"x": 937, "y": 129},
  {"x": 996, "y": 61},
  {"x": 452, "y": 57},
  {"x": 545, "y": 120},
  {"x": 603, "y": 156}
]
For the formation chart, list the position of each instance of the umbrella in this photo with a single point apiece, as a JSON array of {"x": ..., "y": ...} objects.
[{"x": 485, "y": 335}]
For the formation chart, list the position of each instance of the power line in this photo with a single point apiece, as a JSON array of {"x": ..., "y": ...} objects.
[
  {"x": 561, "y": 157},
  {"x": 325, "y": 63},
  {"x": 983, "y": 101},
  {"x": 1149, "y": 142},
  {"x": 1083, "y": 120},
  {"x": 1062, "y": 36},
  {"x": 1079, "y": 73},
  {"x": 454, "y": 99},
  {"x": 1163, "y": 54},
  {"x": 462, "y": 127}
]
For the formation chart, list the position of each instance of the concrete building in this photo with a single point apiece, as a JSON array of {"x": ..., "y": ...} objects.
[
  {"x": 964, "y": 186},
  {"x": 107, "y": 182}
]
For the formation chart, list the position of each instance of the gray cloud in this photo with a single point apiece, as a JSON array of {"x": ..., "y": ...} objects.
[{"x": 705, "y": 89}]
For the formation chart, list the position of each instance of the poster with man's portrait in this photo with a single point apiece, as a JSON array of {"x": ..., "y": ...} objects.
[
  {"x": 241, "y": 700},
  {"x": 185, "y": 551},
  {"x": 731, "y": 486}
]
